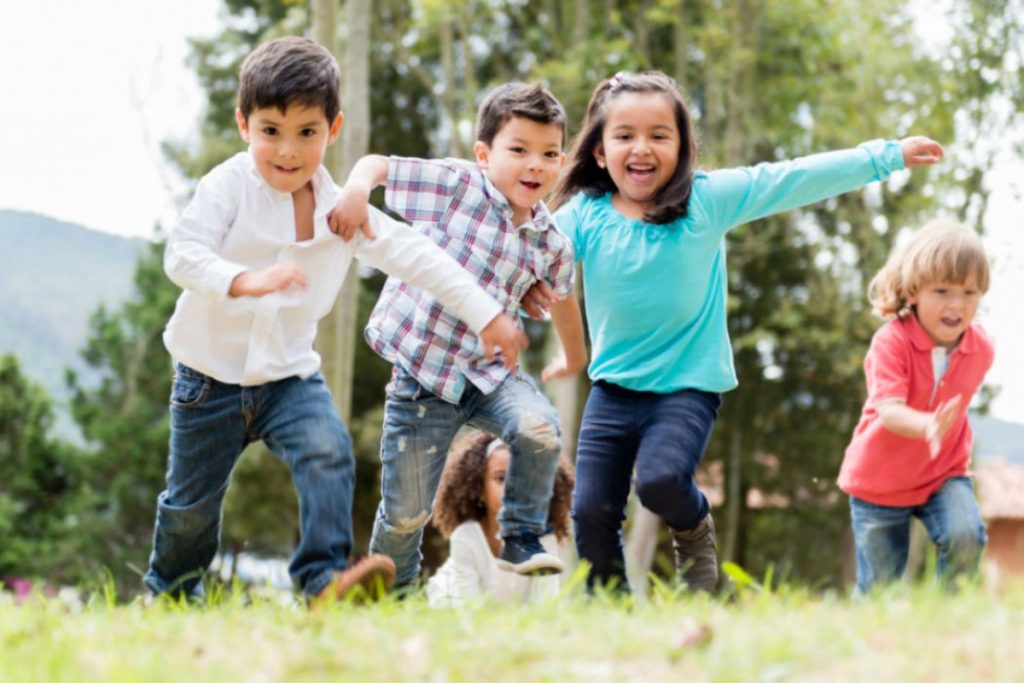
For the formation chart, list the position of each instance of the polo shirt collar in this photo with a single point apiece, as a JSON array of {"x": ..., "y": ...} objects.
[{"x": 922, "y": 342}]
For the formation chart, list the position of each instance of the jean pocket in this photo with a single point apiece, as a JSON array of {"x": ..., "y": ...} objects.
[
  {"x": 189, "y": 388},
  {"x": 404, "y": 387}
]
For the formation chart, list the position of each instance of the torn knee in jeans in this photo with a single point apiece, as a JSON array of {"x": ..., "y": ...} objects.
[
  {"x": 407, "y": 525},
  {"x": 540, "y": 431}
]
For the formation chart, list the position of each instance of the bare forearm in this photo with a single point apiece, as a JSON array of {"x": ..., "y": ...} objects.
[
  {"x": 568, "y": 322},
  {"x": 369, "y": 172},
  {"x": 901, "y": 419}
]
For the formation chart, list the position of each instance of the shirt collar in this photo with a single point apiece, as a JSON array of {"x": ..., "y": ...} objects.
[
  {"x": 541, "y": 219},
  {"x": 323, "y": 185},
  {"x": 922, "y": 342}
]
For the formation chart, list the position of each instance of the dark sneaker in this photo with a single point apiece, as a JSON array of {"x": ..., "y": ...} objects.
[
  {"x": 696, "y": 557},
  {"x": 368, "y": 579},
  {"x": 524, "y": 554}
]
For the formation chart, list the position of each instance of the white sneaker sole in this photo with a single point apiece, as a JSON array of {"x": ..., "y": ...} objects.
[{"x": 541, "y": 564}]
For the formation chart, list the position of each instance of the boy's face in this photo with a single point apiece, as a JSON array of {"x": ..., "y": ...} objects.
[
  {"x": 945, "y": 309},
  {"x": 523, "y": 162},
  {"x": 288, "y": 147}
]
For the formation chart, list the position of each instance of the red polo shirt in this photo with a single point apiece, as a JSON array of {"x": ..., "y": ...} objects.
[{"x": 888, "y": 469}]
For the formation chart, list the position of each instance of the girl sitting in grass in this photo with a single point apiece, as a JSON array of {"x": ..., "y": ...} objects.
[
  {"x": 466, "y": 512},
  {"x": 909, "y": 453}
]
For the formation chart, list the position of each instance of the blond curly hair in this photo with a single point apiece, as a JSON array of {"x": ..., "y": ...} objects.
[{"x": 941, "y": 251}]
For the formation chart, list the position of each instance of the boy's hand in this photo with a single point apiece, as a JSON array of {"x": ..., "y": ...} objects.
[
  {"x": 939, "y": 423},
  {"x": 503, "y": 335},
  {"x": 920, "y": 151},
  {"x": 277, "y": 278},
  {"x": 537, "y": 300},
  {"x": 350, "y": 212}
]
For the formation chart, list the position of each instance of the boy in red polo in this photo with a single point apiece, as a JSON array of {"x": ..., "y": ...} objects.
[{"x": 910, "y": 451}]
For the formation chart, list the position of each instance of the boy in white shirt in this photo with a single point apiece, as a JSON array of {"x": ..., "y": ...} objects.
[{"x": 260, "y": 268}]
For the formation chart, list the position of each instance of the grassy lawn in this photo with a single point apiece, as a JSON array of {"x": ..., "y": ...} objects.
[{"x": 908, "y": 634}]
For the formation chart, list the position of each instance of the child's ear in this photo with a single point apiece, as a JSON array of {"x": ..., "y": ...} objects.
[
  {"x": 482, "y": 152},
  {"x": 243, "y": 125},
  {"x": 599, "y": 155},
  {"x": 332, "y": 134}
]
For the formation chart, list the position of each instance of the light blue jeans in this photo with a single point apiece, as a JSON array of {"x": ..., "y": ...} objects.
[
  {"x": 418, "y": 431},
  {"x": 882, "y": 534},
  {"x": 211, "y": 423}
]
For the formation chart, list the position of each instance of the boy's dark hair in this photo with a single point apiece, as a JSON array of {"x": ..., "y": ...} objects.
[
  {"x": 532, "y": 102},
  {"x": 582, "y": 172},
  {"x": 460, "y": 494},
  {"x": 287, "y": 71}
]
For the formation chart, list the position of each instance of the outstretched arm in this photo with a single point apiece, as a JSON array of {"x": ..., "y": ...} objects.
[
  {"x": 899, "y": 418},
  {"x": 350, "y": 213},
  {"x": 736, "y": 196}
]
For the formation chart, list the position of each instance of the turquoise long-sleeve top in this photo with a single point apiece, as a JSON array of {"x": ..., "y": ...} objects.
[{"x": 655, "y": 295}]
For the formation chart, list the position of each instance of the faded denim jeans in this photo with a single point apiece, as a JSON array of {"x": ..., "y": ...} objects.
[
  {"x": 882, "y": 534},
  {"x": 211, "y": 423},
  {"x": 418, "y": 431}
]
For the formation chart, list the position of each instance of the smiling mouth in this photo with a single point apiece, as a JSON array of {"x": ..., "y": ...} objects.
[
  {"x": 529, "y": 184},
  {"x": 282, "y": 169},
  {"x": 640, "y": 172},
  {"x": 951, "y": 322}
]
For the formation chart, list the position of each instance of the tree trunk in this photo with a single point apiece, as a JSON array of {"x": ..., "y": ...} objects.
[
  {"x": 640, "y": 547},
  {"x": 679, "y": 45},
  {"x": 338, "y": 335}
]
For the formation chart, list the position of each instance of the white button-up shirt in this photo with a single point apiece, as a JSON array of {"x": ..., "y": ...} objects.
[{"x": 237, "y": 222}]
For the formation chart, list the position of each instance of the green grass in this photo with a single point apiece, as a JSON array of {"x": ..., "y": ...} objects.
[{"x": 908, "y": 634}]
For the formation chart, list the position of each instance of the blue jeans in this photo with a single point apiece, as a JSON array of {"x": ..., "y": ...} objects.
[
  {"x": 418, "y": 431},
  {"x": 211, "y": 423},
  {"x": 882, "y": 534},
  {"x": 662, "y": 436}
]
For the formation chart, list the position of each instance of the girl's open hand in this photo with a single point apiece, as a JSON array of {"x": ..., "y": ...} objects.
[{"x": 920, "y": 151}]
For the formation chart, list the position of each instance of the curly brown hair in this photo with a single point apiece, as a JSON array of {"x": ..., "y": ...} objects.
[{"x": 462, "y": 485}]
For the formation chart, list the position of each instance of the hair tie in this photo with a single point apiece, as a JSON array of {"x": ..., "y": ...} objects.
[
  {"x": 618, "y": 79},
  {"x": 493, "y": 446}
]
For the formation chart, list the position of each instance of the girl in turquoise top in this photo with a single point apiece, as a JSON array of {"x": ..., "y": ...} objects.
[{"x": 649, "y": 229}]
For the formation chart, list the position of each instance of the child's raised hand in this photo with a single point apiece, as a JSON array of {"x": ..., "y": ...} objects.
[
  {"x": 277, "y": 278},
  {"x": 502, "y": 334},
  {"x": 939, "y": 422},
  {"x": 920, "y": 151},
  {"x": 350, "y": 212}
]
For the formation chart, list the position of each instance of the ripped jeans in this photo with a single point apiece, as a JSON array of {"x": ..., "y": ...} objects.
[{"x": 418, "y": 431}]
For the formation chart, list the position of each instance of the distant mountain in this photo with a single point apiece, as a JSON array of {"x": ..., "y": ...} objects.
[
  {"x": 998, "y": 439},
  {"x": 53, "y": 276}
]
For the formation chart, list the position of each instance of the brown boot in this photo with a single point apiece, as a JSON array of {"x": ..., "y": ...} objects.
[
  {"x": 696, "y": 556},
  {"x": 372, "y": 576}
]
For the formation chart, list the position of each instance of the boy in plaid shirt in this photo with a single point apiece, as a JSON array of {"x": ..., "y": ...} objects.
[{"x": 491, "y": 218}]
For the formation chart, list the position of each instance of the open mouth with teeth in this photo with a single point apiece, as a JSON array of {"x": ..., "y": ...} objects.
[
  {"x": 951, "y": 321},
  {"x": 640, "y": 171}
]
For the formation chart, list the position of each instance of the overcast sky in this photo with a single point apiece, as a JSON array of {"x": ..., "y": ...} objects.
[{"x": 92, "y": 88}]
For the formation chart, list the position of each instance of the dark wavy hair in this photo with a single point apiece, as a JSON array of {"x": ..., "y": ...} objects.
[
  {"x": 462, "y": 484},
  {"x": 582, "y": 172},
  {"x": 286, "y": 71}
]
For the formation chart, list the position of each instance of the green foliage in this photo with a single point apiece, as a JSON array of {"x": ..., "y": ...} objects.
[
  {"x": 125, "y": 422},
  {"x": 38, "y": 477}
]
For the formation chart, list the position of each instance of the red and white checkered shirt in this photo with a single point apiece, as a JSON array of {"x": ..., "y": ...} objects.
[{"x": 456, "y": 205}]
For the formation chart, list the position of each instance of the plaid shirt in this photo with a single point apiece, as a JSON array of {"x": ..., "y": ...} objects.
[{"x": 455, "y": 204}]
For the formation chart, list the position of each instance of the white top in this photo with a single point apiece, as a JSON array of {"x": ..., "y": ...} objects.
[
  {"x": 237, "y": 222},
  {"x": 471, "y": 571}
]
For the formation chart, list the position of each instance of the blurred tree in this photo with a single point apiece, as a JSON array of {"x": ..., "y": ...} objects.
[
  {"x": 39, "y": 477},
  {"x": 125, "y": 422}
]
